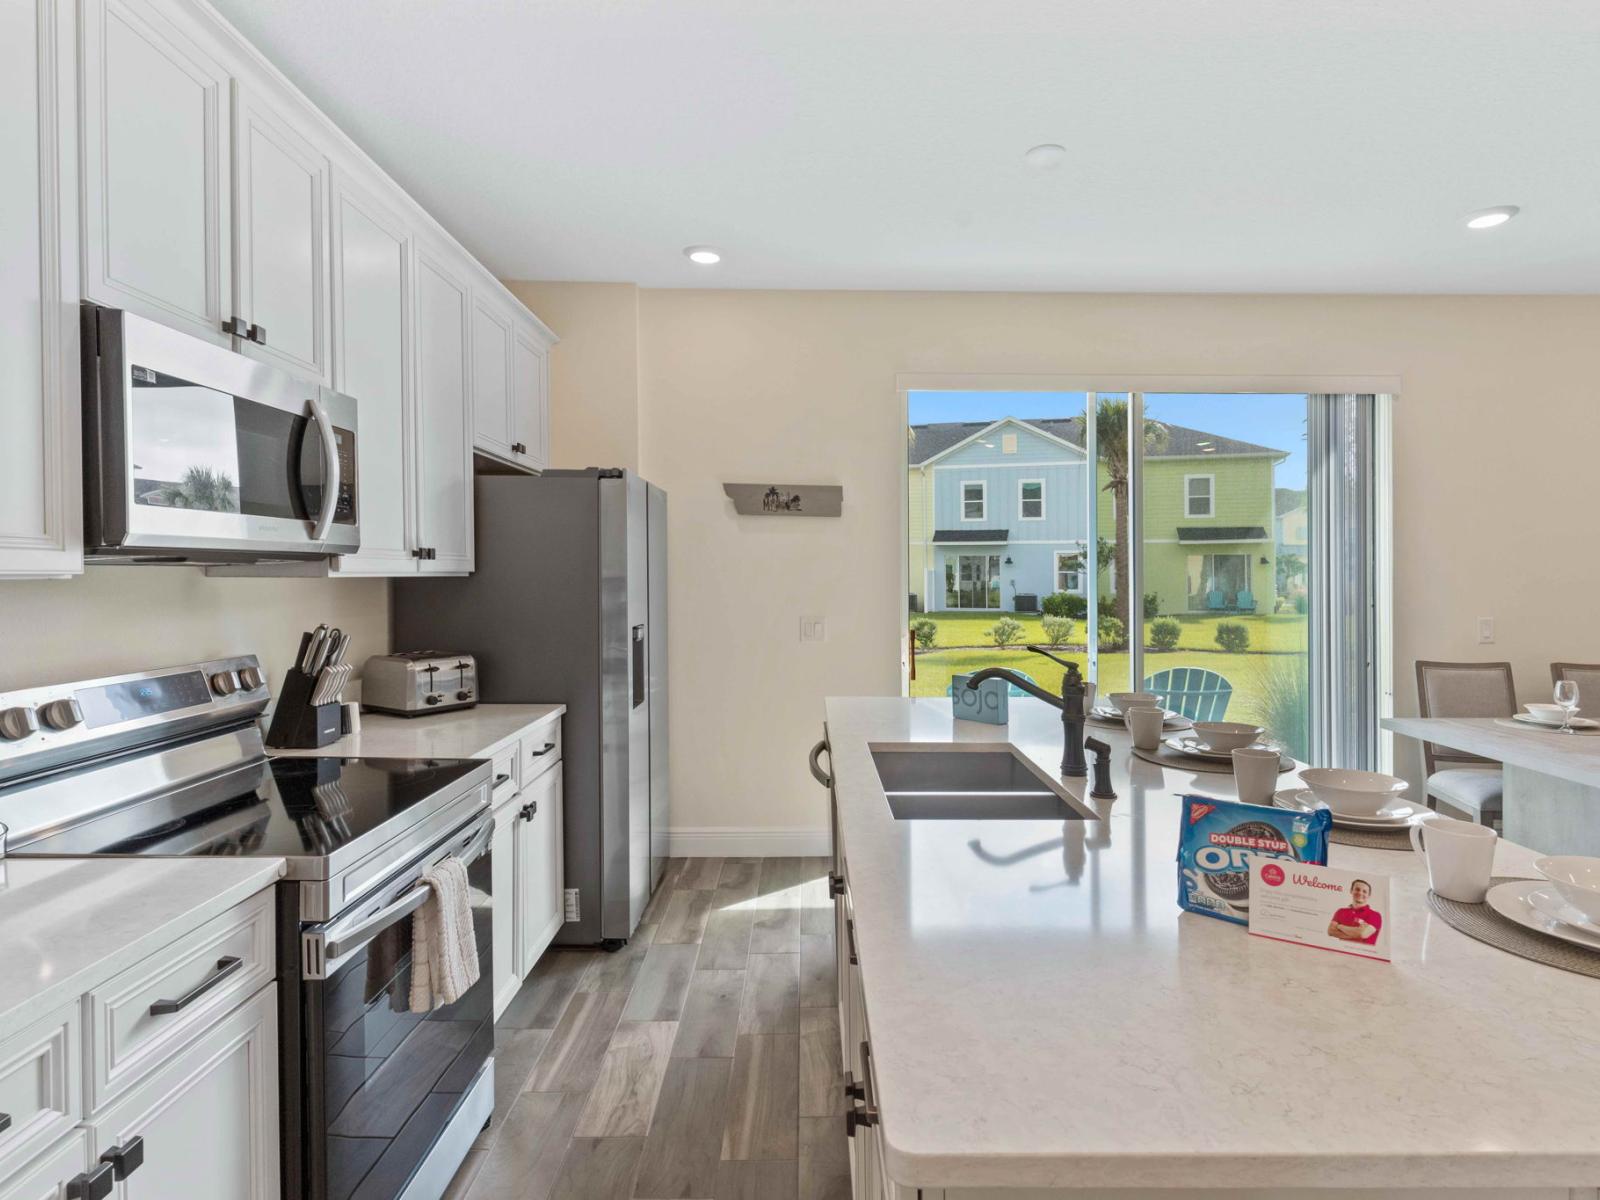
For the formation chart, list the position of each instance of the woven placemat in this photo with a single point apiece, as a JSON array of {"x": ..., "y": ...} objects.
[
  {"x": 1371, "y": 839},
  {"x": 1481, "y": 922},
  {"x": 1165, "y": 756}
]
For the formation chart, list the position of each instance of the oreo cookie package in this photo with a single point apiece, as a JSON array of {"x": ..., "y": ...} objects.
[{"x": 1218, "y": 835}]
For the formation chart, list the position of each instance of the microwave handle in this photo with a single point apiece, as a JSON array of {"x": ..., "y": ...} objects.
[{"x": 330, "y": 470}]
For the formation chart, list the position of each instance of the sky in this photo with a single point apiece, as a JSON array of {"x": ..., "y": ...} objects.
[{"x": 1278, "y": 421}]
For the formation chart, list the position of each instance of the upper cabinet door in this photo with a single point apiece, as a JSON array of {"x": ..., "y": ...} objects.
[
  {"x": 491, "y": 378},
  {"x": 530, "y": 401},
  {"x": 156, "y": 229},
  {"x": 444, "y": 417},
  {"x": 372, "y": 362},
  {"x": 280, "y": 268}
]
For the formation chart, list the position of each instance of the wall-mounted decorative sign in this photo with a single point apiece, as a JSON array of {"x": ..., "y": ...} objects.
[{"x": 785, "y": 499}]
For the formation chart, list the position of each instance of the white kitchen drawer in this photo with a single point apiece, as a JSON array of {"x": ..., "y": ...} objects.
[
  {"x": 46, "y": 1177},
  {"x": 189, "y": 984},
  {"x": 505, "y": 775},
  {"x": 541, "y": 750},
  {"x": 40, "y": 1096}
]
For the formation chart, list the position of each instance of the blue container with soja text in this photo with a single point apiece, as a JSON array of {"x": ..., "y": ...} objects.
[{"x": 987, "y": 702}]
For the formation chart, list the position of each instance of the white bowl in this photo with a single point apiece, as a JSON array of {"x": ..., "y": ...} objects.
[
  {"x": 1352, "y": 793},
  {"x": 1227, "y": 735},
  {"x": 1577, "y": 879},
  {"x": 1550, "y": 714},
  {"x": 1123, "y": 701}
]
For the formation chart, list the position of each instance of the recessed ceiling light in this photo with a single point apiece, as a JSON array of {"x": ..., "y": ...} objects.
[
  {"x": 1046, "y": 157},
  {"x": 1488, "y": 218},
  {"x": 704, "y": 255}
]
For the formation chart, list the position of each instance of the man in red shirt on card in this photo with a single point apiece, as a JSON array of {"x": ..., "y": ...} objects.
[{"x": 1356, "y": 922}]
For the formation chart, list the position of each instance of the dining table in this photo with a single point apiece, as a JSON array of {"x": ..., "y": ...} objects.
[{"x": 1551, "y": 780}]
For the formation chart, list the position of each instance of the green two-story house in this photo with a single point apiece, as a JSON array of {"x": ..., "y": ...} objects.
[{"x": 999, "y": 510}]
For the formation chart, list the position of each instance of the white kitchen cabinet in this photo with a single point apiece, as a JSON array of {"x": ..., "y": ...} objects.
[
  {"x": 47, "y": 1177},
  {"x": 530, "y": 399},
  {"x": 156, "y": 128},
  {"x": 491, "y": 376},
  {"x": 41, "y": 522},
  {"x": 538, "y": 890},
  {"x": 444, "y": 416},
  {"x": 372, "y": 361},
  {"x": 209, "y": 1118},
  {"x": 280, "y": 238}
]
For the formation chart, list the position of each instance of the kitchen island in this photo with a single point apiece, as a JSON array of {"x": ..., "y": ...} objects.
[
  {"x": 1041, "y": 1019},
  {"x": 1550, "y": 792}
]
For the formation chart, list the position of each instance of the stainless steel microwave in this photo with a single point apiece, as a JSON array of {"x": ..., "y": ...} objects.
[{"x": 193, "y": 453}]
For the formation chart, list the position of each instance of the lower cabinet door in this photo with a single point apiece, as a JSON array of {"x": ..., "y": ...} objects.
[
  {"x": 507, "y": 955},
  {"x": 209, "y": 1119},
  {"x": 539, "y": 861},
  {"x": 46, "y": 1177}
]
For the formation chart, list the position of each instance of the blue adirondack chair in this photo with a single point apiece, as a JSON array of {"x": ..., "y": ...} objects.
[
  {"x": 1245, "y": 601},
  {"x": 1011, "y": 688},
  {"x": 1198, "y": 694},
  {"x": 1214, "y": 601}
]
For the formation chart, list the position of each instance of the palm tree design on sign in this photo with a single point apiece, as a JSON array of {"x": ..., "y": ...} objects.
[
  {"x": 775, "y": 501},
  {"x": 203, "y": 489}
]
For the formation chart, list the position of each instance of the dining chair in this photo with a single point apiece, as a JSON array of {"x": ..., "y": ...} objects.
[
  {"x": 1457, "y": 689},
  {"x": 1585, "y": 675}
]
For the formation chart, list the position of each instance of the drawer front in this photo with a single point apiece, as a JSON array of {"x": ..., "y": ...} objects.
[
  {"x": 46, "y": 1177},
  {"x": 40, "y": 1096},
  {"x": 141, "y": 1017},
  {"x": 506, "y": 773},
  {"x": 541, "y": 750}
]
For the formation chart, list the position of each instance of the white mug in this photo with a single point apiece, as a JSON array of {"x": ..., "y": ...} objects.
[
  {"x": 1088, "y": 695},
  {"x": 1460, "y": 857},
  {"x": 1145, "y": 722},
  {"x": 1255, "y": 773}
]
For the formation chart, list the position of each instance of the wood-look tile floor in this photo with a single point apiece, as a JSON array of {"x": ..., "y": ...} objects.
[{"x": 699, "y": 1062}]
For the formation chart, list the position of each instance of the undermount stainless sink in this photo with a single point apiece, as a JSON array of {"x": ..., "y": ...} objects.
[{"x": 976, "y": 782}]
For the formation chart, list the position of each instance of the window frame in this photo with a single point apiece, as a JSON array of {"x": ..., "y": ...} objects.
[
  {"x": 1211, "y": 497},
  {"x": 1077, "y": 570},
  {"x": 983, "y": 500},
  {"x": 1022, "y": 512}
]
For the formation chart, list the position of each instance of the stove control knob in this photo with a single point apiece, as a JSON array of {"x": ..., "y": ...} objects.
[
  {"x": 18, "y": 723},
  {"x": 250, "y": 678},
  {"x": 224, "y": 683},
  {"x": 61, "y": 714}
]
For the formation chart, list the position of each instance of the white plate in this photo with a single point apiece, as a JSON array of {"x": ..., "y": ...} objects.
[
  {"x": 1549, "y": 901},
  {"x": 1196, "y": 748},
  {"x": 1511, "y": 901},
  {"x": 1110, "y": 716},
  {"x": 1577, "y": 722},
  {"x": 1402, "y": 813}
]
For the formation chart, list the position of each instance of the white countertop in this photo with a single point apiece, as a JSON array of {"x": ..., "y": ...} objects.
[
  {"x": 1573, "y": 757},
  {"x": 66, "y": 924},
  {"x": 466, "y": 733},
  {"x": 1043, "y": 1014}
]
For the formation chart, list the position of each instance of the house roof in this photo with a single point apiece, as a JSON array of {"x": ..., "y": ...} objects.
[
  {"x": 969, "y": 535},
  {"x": 928, "y": 442},
  {"x": 1221, "y": 533}
]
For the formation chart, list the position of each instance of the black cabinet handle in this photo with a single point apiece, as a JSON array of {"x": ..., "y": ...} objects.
[
  {"x": 835, "y": 885},
  {"x": 548, "y": 746},
  {"x": 529, "y": 810},
  {"x": 5, "y": 1122},
  {"x": 125, "y": 1159},
  {"x": 237, "y": 326},
  {"x": 258, "y": 335},
  {"x": 850, "y": 938},
  {"x": 225, "y": 967},
  {"x": 93, "y": 1185},
  {"x": 498, "y": 780},
  {"x": 519, "y": 447}
]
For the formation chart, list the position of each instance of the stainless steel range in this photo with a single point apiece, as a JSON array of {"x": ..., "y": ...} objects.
[{"x": 378, "y": 1103}]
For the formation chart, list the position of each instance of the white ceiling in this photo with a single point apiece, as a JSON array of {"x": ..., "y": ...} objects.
[{"x": 1214, "y": 145}]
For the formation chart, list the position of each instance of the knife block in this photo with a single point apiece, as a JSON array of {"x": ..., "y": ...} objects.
[{"x": 298, "y": 724}]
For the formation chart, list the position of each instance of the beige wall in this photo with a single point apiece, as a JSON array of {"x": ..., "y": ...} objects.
[
  {"x": 1498, "y": 403},
  {"x": 595, "y": 371},
  {"x": 127, "y": 618}
]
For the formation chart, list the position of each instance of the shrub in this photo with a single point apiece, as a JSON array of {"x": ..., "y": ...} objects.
[
  {"x": 1233, "y": 637},
  {"x": 1005, "y": 631},
  {"x": 1152, "y": 606},
  {"x": 1164, "y": 634},
  {"x": 926, "y": 631},
  {"x": 1065, "y": 604},
  {"x": 1057, "y": 630},
  {"x": 1283, "y": 706},
  {"x": 1113, "y": 634}
]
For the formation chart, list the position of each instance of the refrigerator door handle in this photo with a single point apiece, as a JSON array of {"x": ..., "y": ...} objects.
[{"x": 639, "y": 672}]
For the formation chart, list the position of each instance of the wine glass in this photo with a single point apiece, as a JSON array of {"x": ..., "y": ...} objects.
[{"x": 1566, "y": 695}]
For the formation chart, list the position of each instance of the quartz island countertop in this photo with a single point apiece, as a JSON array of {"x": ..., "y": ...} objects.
[{"x": 1043, "y": 1015}]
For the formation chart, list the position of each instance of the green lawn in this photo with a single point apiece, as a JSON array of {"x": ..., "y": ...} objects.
[{"x": 1285, "y": 632}]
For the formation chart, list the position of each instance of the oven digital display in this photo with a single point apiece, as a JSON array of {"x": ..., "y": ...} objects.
[{"x": 118, "y": 702}]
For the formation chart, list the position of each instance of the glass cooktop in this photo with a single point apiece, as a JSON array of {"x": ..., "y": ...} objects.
[{"x": 274, "y": 807}]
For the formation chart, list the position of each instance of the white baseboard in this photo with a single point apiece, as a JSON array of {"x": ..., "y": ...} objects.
[{"x": 747, "y": 842}]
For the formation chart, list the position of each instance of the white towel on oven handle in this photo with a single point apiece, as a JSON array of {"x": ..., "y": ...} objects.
[{"x": 444, "y": 950}]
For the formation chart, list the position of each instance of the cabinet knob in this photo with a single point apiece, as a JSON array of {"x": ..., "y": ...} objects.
[
  {"x": 519, "y": 447},
  {"x": 529, "y": 810},
  {"x": 125, "y": 1159},
  {"x": 258, "y": 335},
  {"x": 92, "y": 1185},
  {"x": 238, "y": 327}
]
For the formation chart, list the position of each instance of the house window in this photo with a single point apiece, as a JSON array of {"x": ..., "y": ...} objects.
[
  {"x": 1030, "y": 500},
  {"x": 1069, "y": 572},
  {"x": 1008, "y": 443},
  {"x": 974, "y": 501},
  {"x": 1199, "y": 495}
]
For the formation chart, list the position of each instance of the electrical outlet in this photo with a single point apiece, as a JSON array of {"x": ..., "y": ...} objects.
[
  {"x": 813, "y": 629},
  {"x": 1485, "y": 631},
  {"x": 570, "y": 910}
]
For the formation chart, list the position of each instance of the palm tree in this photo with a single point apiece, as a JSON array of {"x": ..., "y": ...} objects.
[
  {"x": 1111, "y": 438},
  {"x": 203, "y": 488}
]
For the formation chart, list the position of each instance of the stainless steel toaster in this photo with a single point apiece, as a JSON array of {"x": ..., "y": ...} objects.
[{"x": 414, "y": 683}]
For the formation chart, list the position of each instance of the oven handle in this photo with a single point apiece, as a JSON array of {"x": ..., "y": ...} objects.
[{"x": 330, "y": 469}]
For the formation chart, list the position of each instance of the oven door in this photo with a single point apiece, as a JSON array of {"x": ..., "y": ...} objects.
[
  {"x": 381, "y": 1083},
  {"x": 199, "y": 453}
]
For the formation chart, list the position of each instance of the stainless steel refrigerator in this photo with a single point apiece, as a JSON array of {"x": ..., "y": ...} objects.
[{"x": 568, "y": 604}]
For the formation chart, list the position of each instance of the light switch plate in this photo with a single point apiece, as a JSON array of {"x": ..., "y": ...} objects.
[
  {"x": 813, "y": 629},
  {"x": 1485, "y": 631}
]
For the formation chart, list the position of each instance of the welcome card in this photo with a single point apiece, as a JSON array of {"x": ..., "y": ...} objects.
[{"x": 1322, "y": 907}]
